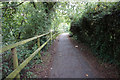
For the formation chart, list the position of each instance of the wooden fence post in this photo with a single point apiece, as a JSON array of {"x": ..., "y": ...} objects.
[
  {"x": 38, "y": 41},
  {"x": 15, "y": 60},
  {"x": 51, "y": 37}
]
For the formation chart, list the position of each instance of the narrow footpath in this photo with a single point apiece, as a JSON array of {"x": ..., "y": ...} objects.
[{"x": 69, "y": 62}]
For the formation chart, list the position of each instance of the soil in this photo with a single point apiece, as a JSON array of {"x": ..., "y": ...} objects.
[
  {"x": 42, "y": 70},
  {"x": 66, "y": 58},
  {"x": 105, "y": 69}
]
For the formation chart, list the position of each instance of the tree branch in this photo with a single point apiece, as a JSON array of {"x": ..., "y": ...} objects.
[
  {"x": 33, "y": 3},
  {"x": 13, "y": 6}
]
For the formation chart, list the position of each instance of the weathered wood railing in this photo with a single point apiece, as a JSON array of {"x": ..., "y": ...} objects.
[{"x": 18, "y": 68}]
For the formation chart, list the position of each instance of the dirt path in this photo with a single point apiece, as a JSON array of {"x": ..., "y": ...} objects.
[{"x": 69, "y": 62}]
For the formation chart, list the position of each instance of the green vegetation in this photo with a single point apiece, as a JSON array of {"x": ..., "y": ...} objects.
[
  {"x": 99, "y": 27},
  {"x": 96, "y": 24},
  {"x": 20, "y": 21}
]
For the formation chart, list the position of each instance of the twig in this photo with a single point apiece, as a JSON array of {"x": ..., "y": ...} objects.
[{"x": 13, "y": 6}]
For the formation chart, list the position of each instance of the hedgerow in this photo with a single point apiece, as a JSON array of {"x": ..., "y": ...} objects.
[{"x": 99, "y": 27}]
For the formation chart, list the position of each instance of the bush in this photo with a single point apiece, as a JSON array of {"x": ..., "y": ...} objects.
[{"x": 100, "y": 28}]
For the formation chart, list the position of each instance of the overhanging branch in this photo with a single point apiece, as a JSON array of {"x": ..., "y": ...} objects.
[{"x": 13, "y": 6}]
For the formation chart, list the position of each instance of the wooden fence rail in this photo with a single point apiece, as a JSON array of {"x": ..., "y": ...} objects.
[
  {"x": 17, "y": 68},
  {"x": 21, "y": 43},
  {"x": 25, "y": 62}
]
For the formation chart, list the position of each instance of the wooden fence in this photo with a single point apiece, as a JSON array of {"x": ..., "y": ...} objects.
[{"x": 18, "y": 68}]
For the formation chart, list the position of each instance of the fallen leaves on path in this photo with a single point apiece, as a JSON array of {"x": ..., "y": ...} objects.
[
  {"x": 76, "y": 46},
  {"x": 86, "y": 75}
]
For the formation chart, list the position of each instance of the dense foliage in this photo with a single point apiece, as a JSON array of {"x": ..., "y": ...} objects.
[
  {"x": 20, "y": 21},
  {"x": 99, "y": 27},
  {"x": 96, "y": 24}
]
